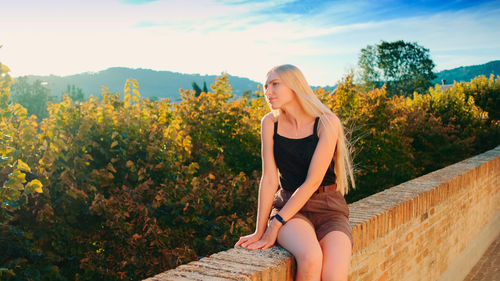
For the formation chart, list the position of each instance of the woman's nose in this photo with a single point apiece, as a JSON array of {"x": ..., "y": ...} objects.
[{"x": 268, "y": 92}]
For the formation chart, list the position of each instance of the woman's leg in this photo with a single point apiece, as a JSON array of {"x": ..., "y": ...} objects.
[
  {"x": 336, "y": 247},
  {"x": 299, "y": 238}
]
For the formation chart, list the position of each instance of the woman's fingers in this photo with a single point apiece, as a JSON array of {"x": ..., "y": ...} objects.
[
  {"x": 256, "y": 245},
  {"x": 240, "y": 241},
  {"x": 267, "y": 246},
  {"x": 248, "y": 242},
  {"x": 261, "y": 244},
  {"x": 251, "y": 242},
  {"x": 245, "y": 241}
]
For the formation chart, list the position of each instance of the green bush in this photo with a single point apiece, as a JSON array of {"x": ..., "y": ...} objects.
[{"x": 122, "y": 188}]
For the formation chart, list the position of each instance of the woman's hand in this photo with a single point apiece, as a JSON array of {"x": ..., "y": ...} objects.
[
  {"x": 247, "y": 240},
  {"x": 269, "y": 237}
]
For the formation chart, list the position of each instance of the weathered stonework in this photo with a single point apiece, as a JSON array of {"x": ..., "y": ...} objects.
[
  {"x": 236, "y": 264},
  {"x": 413, "y": 231}
]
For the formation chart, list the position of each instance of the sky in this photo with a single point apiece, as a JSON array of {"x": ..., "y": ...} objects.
[{"x": 240, "y": 37}]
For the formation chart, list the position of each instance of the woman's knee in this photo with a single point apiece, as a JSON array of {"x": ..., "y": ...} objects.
[
  {"x": 311, "y": 258},
  {"x": 337, "y": 256},
  {"x": 298, "y": 237},
  {"x": 309, "y": 264}
]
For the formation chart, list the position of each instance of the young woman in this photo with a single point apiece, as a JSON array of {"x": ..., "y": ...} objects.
[{"x": 304, "y": 154}]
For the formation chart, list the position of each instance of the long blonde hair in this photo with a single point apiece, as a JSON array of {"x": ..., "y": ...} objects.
[{"x": 293, "y": 78}]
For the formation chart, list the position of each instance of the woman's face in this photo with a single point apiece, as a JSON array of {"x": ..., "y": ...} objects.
[{"x": 276, "y": 92}]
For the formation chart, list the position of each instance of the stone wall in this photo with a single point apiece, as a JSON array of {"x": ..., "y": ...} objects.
[{"x": 418, "y": 230}]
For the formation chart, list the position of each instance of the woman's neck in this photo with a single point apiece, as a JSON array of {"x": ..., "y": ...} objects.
[{"x": 296, "y": 117}]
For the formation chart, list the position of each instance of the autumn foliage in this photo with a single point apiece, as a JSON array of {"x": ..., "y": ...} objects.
[
  {"x": 395, "y": 138},
  {"x": 121, "y": 188}
]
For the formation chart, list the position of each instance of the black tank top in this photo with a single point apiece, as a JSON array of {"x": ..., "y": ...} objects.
[{"x": 293, "y": 157}]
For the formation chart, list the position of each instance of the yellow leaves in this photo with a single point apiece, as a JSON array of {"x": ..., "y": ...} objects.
[
  {"x": 142, "y": 174},
  {"x": 111, "y": 168},
  {"x": 4, "y": 68},
  {"x": 159, "y": 197},
  {"x": 115, "y": 143},
  {"x": 131, "y": 85},
  {"x": 17, "y": 175},
  {"x": 15, "y": 181},
  {"x": 109, "y": 176},
  {"x": 100, "y": 117},
  {"x": 195, "y": 183},
  {"x": 38, "y": 189},
  {"x": 6, "y": 151},
  {"x": 193, "y": 167},
  {"x": 35, "y": 185},
  {"x": 20, "y": 111},
  {"x": 135, "y": 85},
  {"x": 21, "y": 165},
  {"x": 186, "y": 143},
  {"x": 130, "y": 165},
  {"x": 126, "y": 100},
  {"x": 163, "y": 118},
  {"x": 241, "y": 177}
]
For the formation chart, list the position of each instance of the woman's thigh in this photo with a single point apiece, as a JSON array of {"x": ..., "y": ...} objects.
[
  {"x": 336, "y": 247},
  {"x": 299, "y": 238}
]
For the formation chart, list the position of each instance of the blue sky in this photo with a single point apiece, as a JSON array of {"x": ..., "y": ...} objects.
[{"x": 243, "y": 38}]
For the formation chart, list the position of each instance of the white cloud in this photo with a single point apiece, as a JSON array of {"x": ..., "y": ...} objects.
[{"x": 209, "y": 37}]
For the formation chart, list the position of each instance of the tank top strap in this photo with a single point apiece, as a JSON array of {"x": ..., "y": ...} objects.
[
  {"x": 316, "y": 122},
  {"x": 275, "y": 128}
]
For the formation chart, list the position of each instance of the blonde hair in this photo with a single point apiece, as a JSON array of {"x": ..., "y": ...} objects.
[{"x": 293, "y": 78}]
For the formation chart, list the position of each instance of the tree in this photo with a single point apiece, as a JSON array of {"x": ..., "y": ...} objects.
[
  {"x": 33, "y": 96},
  {"x": 19, "y": 181},
  {"x": 216, "y": 127},
  {"x": 75, "y": 93},
  {"x": 198, "y": 90},
  {"x": 205, "y": 89},
  {"x": 404, "y": 67}
]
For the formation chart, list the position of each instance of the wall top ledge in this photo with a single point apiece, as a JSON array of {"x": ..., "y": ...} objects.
[
  {"x": 370, "y": 218},
  {"x": 234, "y": 264},
  {"x": 376, "y": 204}
]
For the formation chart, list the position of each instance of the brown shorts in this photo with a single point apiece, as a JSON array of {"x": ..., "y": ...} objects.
[{"x": 327, "y": 211}]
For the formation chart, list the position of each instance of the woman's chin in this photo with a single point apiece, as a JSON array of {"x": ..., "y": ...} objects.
[{"x": 274, "y": 106}]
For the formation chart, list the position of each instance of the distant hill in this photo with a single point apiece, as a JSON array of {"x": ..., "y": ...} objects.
[
  {"x": 166, "y": 84},
  {"x": 466, "y": 73},
  {"x": 161, "y": 84}
]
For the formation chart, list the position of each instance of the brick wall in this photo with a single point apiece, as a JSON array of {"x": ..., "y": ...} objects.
[{"x": 413, "y": 231}]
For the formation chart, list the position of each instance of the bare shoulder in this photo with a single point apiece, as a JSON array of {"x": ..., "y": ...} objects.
[
  {"x": 330, "y": 122},
  {"x": 332, "y": 117},
  {"x": 268, "y": 120}
]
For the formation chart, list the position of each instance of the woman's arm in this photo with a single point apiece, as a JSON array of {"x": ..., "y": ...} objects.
[
  {"x": 322, "y": 157},
  {"x": 268, "y": 183}
]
